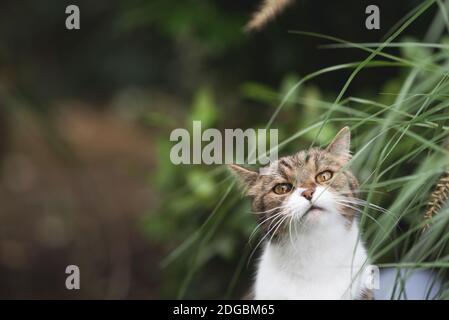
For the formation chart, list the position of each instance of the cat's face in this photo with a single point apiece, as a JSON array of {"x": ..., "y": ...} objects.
[{"x": 310, "y": 187}]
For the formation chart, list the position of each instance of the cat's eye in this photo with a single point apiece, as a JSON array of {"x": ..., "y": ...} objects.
[
  {"x": 282, "y": 188},
  {"x": 324, "y": 176}
]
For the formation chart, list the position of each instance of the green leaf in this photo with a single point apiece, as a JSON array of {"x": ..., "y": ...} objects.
[
  {"x": 201, "y": 184},
  {"x": 204, "y": 108}
]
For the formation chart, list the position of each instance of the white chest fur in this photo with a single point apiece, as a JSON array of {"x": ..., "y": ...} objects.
[{"x": 325, "y": 261}]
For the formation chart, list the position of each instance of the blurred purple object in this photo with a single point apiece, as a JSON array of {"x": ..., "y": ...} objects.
[{"x": 420, "y": 284}]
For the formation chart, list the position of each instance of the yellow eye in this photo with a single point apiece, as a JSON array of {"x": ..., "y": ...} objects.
[
  {"x": 324, "y": 176},
  {"x": 282, "y": 188}
]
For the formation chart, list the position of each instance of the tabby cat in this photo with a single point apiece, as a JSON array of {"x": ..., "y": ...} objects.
[{"x": 307, "y": 205}]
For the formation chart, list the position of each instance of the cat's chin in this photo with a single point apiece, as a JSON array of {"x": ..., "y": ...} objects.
[{"x": 313, "y": 214}]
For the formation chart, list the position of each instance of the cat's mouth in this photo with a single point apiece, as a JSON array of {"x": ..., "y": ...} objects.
[
  {"x": 312, "y": 211},
  {"x": 314, "y": 208}
]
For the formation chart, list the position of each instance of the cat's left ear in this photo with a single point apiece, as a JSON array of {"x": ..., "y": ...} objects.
[
  {"x": 340, "y": 146},
  {"x": 246, "y": 177}
]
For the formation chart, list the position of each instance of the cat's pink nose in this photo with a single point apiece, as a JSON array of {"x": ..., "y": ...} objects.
[{"x": 308, "y": 193}]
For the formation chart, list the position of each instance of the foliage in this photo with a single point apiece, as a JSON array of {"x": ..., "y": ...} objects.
[
  {"x": 197, "y": 19},
  {"x": 398, "y": 156}
]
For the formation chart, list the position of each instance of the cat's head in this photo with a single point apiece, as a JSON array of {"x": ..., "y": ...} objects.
[{"x": 310, "y": 187}]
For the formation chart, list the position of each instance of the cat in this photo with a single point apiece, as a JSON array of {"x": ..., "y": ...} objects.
[{"x": 307, "y": 208}]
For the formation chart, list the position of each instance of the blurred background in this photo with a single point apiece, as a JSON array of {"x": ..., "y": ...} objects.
[{"x": 85, "y": 118}]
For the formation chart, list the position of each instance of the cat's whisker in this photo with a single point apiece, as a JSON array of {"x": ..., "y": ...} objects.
[
  {"x": 279, "y": 225},
  {"x": 261, "y": 223},
  {"x": 356, "y": 209},
  {"x": 267, "y": 219},
  {"x": 367, "y": 205},
  {"x": 269, "y": 210},
  {"x": 361, "y": 212},
  {"x": 360, "y": 191},
  {"x": 363, "y": 202},
  {"x": 371, "y": 206},
  {"x": 265, "y": 236},
  {"x": 273, "y": 218},
  {"x": 272, "y": 225}
]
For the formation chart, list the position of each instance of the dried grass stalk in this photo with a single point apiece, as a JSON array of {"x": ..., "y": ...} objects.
[
  {"x": 438, "y": 198},
  {"x": 268, "y": 10},
  {"x": 439, "y": 195}
]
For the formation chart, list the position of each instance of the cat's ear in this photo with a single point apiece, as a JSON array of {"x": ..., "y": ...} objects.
[
  {"x": 340, "y": 146},
  {"x": 246, "y": 177}
]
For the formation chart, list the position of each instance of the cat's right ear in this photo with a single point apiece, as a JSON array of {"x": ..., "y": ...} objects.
[
  {"x": 341, "y": 144},
  {"x": 246, "y": 177}
]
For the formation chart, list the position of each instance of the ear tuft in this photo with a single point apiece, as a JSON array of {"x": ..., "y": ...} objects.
[
  {"x": 246, "y": 177},
  {"x": 340, "y": 146}
]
